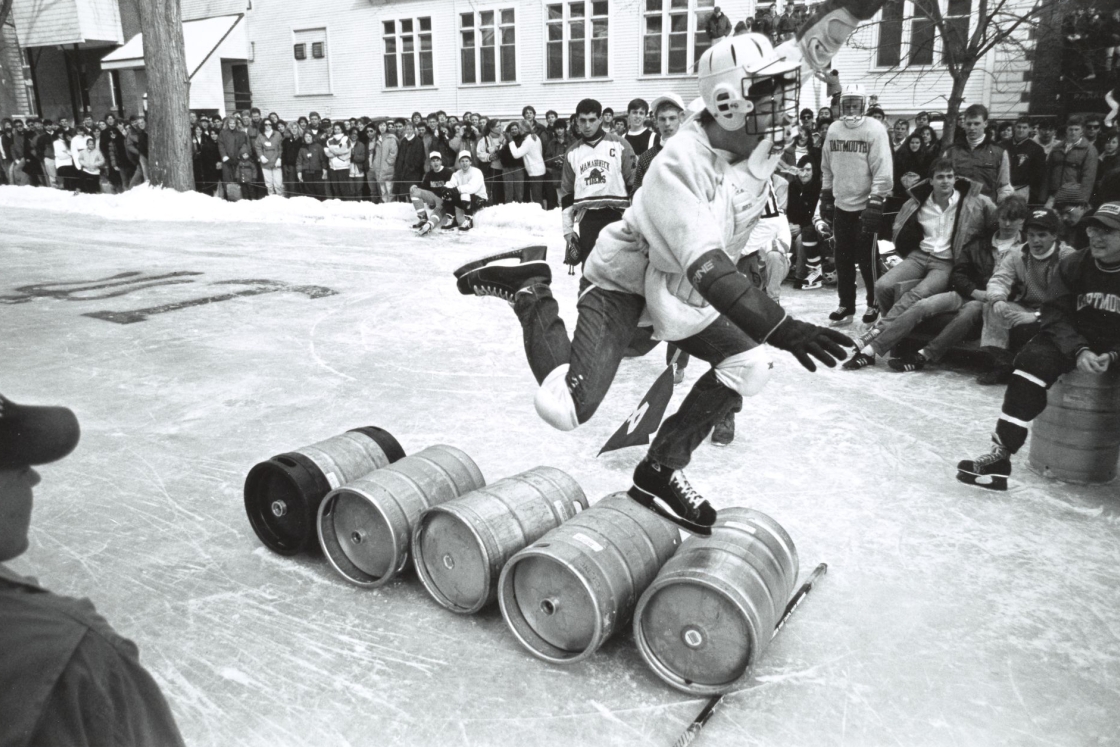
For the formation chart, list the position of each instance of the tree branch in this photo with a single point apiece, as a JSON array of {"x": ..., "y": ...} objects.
[{"x": 5, "y": 10}]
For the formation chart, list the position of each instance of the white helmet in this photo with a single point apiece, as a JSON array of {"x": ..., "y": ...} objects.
[
  {"x": 745, "y": 81},
  {"x": 853, "y": 104}
]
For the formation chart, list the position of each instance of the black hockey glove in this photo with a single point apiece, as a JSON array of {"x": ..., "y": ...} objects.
[
  {"x": 573, "y": 254},
  {"x": 805, "y": 340},
  {"x": 828, "y": 207},
  {"x": 871, "y": 219}
]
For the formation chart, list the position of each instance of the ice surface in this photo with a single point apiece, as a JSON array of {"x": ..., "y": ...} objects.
[{"x": 949, "y": 615}]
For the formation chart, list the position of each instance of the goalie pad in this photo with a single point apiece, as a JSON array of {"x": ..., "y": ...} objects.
[{"x": 746, "y": 372}]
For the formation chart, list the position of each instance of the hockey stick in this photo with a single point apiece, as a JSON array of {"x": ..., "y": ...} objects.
[{"x": 697, "y": 724}]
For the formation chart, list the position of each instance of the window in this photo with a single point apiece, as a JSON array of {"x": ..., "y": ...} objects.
[
  {"x": 922, "y": 34},
  {"x": 577, "y": 44},
  {"x": 115, "y": 92},
  {"x": 956, "y": 28},
  {"x": 890, "y": 35},
  {"x": 674, "y": 35},
  {"x": 408, "y": 53},
  {"x": 488, "y": 46},
  {"x": 313, "y": 75}
]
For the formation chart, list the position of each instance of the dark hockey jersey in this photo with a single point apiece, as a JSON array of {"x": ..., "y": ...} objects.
[
  {"x": 1083, "y": 310},
  {"x": 435, "y": 181}
]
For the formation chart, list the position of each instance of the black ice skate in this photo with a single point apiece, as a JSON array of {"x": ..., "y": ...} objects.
[
  {"x": 525, "y": 254},
  {"x": 988, "y": 471},
  {"x": 504, "y": 281},
  {"x": 871, "y": 315},
  {"x": 667, "y": 493},
  {"x": 841, "y": 317}
]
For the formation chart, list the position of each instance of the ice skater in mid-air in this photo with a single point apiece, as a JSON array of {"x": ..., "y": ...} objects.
[{"x": 672, "y": 258}]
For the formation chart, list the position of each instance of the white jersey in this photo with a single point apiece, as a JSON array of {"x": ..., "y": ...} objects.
[
  {"x": 596, "y": 175},
  {"x": 694, "y": 199}
]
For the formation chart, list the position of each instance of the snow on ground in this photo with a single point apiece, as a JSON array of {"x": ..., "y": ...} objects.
[{"x": 949, "y": 615}]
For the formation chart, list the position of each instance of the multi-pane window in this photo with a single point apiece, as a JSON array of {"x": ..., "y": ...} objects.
[
  {"x": 922, "y": 33},
  {"x": 313, "y": 74},
  {"x": 577, "y": 44},
  {"x": 956, "y": 28},
  {"x": 909, "y": 36},
  {"x": 889, "y": 51},
  {"x": 408, "y": 53},
  {"x": 674, "y": 35},
  {"x": 488, "y": 46}
]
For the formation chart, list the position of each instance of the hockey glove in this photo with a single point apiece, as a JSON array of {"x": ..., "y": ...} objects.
[
  {"x": 573, "y": 254},
  {"x": 734, "y": 296},
  {"x": 807, "y": 341},
  {"x": 828, "y": 207},
  {"x": 871, "y": 218}
]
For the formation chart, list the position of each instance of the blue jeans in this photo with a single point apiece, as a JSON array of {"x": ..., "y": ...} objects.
[
  {"x": 931, "y": 273},
  {"x": 606, "y": 324}
]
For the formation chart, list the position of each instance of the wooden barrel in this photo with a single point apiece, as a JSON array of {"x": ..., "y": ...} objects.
[
  {"x": 1077, "y": 436},
  {"x": 710, "y": 613},
  {"x": 566, "y": 594},
  {"x": 365, "y": 526},
  {"x": 282, "y": 495},
  {"x": 460, "y": 547}
]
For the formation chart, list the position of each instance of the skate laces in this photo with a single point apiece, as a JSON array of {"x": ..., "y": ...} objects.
[
  {"x": 998, "y": 453},
  {"x": 688, "y": 493},
  {"x": 493, "y": 290}
]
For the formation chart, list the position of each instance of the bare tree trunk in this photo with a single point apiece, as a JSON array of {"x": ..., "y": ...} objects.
[
  {"x": 5, "y": 10},
  {"x": 956, "y": 96},
  {"x": 165, "y": 60}
]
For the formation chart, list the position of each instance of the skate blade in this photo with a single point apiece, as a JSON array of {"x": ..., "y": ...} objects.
[
  {"x": 846, "y": 321},
  {"x": 525, "y": 254},
  {"x": 990, "y": 482},
  {"x": 721, "y": 444},
  {"x": 645, "y": 500}
]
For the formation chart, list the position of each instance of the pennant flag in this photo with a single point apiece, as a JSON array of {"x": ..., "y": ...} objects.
[{"x": 646, "y": 418}]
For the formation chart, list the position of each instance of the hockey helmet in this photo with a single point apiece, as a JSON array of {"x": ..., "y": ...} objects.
[
  {"x": 744, "y": 81},
  {"x": 853, "y": 104}
]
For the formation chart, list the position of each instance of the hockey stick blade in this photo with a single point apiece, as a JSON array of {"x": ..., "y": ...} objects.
[{"x": 697, "y": 724}]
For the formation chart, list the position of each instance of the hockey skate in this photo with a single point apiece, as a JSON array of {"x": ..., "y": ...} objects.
[
  {"x": 668, "y": 494},
  {"x": 871, "y": 315},
  {"x": 988, "y": 471},
  {"x": 425, "y": 228},
  {"x": 504, "y": 280},
  {"x": 467, "y": 224},
  {"x": 448, "y": 222},
  {"x": 813, "y": 280},
  {"x": 843, "y": 316},
  {"x": 525, "y": 254},
  {"x": 420, "y": 223}
]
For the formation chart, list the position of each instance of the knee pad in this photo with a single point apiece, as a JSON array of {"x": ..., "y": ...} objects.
[
  {"x": 747, "y": 372},
  {"x": 554, "y": 401}
]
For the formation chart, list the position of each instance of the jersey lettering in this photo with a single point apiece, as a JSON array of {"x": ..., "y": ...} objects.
[
  {"x": 850, "y": 146},
  {"x": 1100, "y": 301}
]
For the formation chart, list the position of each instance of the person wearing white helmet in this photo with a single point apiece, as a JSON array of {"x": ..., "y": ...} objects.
[
  {"x": 857, "y": 174},
  {"x": 671, "y": 261}
]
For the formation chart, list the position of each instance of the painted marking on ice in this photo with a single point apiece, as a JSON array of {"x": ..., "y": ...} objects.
[
  {"x": 583, "y": 539},
  {"x": 260, "y": 287},
  {"x": 121, "y": 281}
]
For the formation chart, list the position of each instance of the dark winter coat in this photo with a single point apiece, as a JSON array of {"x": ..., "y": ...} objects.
[
  {"x": 112, "y": 147},
  {"x": 232, "y": 144},
  {"x": 312, "y": 158},
  {"x": 1071, "y": 176},
  {"x": 802, "y": 200},
  {"x": 289, "y": 150},
  {"x": 718, "y": 28},
  {"x": 359, "y": 157},
  {"x": 907, "y": 161},
  {"x": 982, "y": 163},
  {"x": 1028, "y": 167},
  {"x": 975, "y": 221},
  {"x": 973, "y": 268},
  {"x": 1108, "y": 179},
  {"x": 1083, "y": 309},
  {"x": 411, "y": 158}
]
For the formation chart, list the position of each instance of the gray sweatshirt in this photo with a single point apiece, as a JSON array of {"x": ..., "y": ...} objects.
[{"x": 856, "y": 162}]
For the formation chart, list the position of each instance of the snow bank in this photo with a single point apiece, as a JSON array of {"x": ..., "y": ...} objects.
[{"x": 146, "y": 203}]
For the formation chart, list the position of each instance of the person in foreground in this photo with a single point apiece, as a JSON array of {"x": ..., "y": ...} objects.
[
  {"x": 1080, "y": 329},
  {"x": 673, "y": 256},
  {"x": 66, "y": 677}
]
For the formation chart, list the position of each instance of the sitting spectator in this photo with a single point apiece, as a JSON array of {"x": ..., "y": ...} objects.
[
  {"x": 944, "y": 218},
  {"x": 338, "y": 152},
  {"x": 383, "y": 160},
  {"x": 1073, "y": 231},
  {"x": 1028, "y": 163},
  {"x": 468, "y": 191},
  {"x": 410, "y": 164},
  {"x": 1018, "y": 288},
  {"x": 269, "y": 149},
  {"x": 639, "y": 136},
  {"x": 1071, "y": 170},
  {"x": 90, "y": 163},
  {"x": 804, "y": 194},
  {"x": 69, "y": 678},
  {"x": 311, "y": 167},
  {"x": 969, "y": 279},
  {"x": 427, "y": 197},
  {"x": 977, "y": 158},
  {"x": 1080, "y": 329}
]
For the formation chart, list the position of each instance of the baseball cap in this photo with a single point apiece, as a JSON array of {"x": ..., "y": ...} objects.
[
  {"x": 435, "y": 154},
  {"x": 1045, "y": 219},
  {"x": 465, "y": 154},
  {"x": 31, "y": 435},
  {"x": 1107, "y": 215},
  {"x": 667, "y": 98}
]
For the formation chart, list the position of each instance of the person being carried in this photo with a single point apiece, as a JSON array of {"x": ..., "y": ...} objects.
[
  {"x": 68, "y": 677},
  {"x": 428, "y": 196},
  {"x": 673, "y": 256},
  {"x": 1080, "y": 329}
]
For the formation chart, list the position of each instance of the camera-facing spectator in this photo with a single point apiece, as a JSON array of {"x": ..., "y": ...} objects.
[
  {"x": 1071, "y": 170},
  {"x": 311, "y": 167},
  {"x": 68, "y": 677}
]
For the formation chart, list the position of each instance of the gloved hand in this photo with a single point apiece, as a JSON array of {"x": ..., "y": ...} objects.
[
  {"x": 573, "y": 252},
  {"x": 828, "y": 207},
  {"x": 823, "y": 229},
  {"x": 804, "y": 340},
  {"x": 872, "y": 216}
]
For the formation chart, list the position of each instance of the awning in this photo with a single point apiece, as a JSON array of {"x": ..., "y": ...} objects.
[{"x": 200, "y": 39}]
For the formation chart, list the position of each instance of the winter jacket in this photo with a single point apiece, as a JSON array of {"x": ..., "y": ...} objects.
[
  {"x": 907, "y": 161},
  {"x": 1108, "y": 179},
  {"x": 506, "y": 157},
  {"x": 718, "y": 27},
  {"x": 233, "y": 144},
  {"x": 112, "y": 147},
  {"x": 91, "y": 160},
  {"x": 1082, "y": 309},
  {"x": 1021, "y": 278},
  {"x": 289, "y": 150},
  {"x": 487, "y": 150},
  {"x": 312, "y": 158},
  {"x": 271, "y": 149},
  {"x": 1070, "y": 175},
  {"x": 975, "y": 221},
  {"x": 468, "y": 184},
  {"x": 383, "y": 157},
  {"x": 987, "y": 163},
  {"x": 1028, "y": 167},
  {"x": 531, "y": 152},
  {"x": 802, "y": 200},
  {"x": 411, "y": 157},
  {"x": 359, "y": 159},
  {"x": 338, "y": 149},
  {"x": 973, "y": 268}
]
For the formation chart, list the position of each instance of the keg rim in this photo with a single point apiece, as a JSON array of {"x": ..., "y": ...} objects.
[
  {"x": 329, "y": 543},
  {"x": 256, "y": 504},
  {"x": 425, "y": 577}
]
